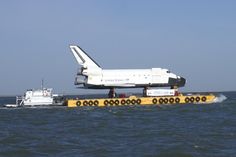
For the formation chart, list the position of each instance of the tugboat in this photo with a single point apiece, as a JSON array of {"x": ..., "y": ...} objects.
[{"x": 39, "y": 97}]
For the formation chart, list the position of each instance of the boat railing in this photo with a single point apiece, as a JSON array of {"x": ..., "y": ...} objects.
[{"x": 19, "y": 100}]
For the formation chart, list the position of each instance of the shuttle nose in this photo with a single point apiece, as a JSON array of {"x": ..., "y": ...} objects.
[{"x": 181, "y": 82}]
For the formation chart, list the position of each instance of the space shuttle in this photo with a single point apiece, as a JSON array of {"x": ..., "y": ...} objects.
[{"x": 92, "y": 76}]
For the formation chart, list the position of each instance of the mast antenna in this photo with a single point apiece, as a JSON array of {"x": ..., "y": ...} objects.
[{"x": 42, "y": 85}]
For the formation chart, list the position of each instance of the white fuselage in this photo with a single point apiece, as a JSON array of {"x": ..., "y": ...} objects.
[
  {"x": 126, "y": 77},
  {"x": 135, "y": 76}
]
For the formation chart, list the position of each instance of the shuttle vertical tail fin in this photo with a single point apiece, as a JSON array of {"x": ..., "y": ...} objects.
[{"x": 83, "y": 58}]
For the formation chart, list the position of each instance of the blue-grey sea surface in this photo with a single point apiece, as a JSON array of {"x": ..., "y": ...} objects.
[{"x": 192, "y": 130}]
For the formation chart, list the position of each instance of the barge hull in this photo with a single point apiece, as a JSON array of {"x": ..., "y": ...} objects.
[{"x": 133, "y": 100}]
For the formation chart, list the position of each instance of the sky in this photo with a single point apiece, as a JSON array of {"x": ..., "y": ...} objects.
[{"x": 194, "y": 39}]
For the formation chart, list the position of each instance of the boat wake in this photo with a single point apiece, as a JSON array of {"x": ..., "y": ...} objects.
[{"x": 220, "y": 98}]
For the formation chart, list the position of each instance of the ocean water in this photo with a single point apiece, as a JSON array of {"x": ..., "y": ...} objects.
[{"x": 140, "y": 131}]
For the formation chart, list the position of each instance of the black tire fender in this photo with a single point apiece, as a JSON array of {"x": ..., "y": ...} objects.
[
  {"x": 128, "y": 101},
  {"x": 133, "y": 101},
  {"x": 192, "y": 99},
  {"x": 96, "y": 102},
  {"x": 106, "y": 102},
  {"x": 187, "y": 99},
  {"x": 90, "y": 103},
  {"x": 139, "y": 101},
  {"x": 161, "y": 100},
  {"x": 171, "y": 100},
  {"x": 177, "y": 100},
  {"x": 198, "y": 99},
  {"x": 166, "y": 100},
  {"x": 154, "y": 101},
  {"x": 204, "y": 99},
  {"x": 123, "y": 102},
  {"x": 85, "y": 103},
  {"x": 112, "y": 102},
  {"x": 78, "y": 103},
  {"x": 117, "y": 102}
]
